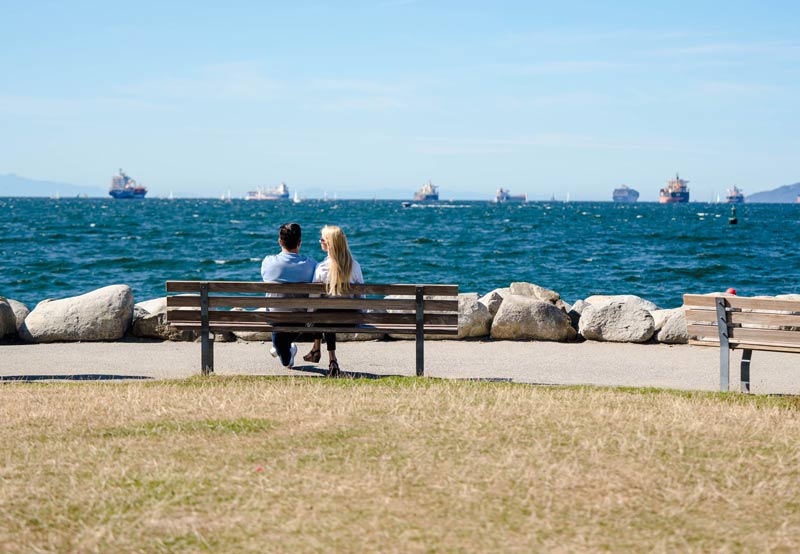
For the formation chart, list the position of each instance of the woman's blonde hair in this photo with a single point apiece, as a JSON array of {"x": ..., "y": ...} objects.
[{"x": 341, "y": 260}]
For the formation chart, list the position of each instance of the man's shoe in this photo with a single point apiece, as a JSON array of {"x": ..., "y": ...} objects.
[
  {"x": 273, "y": 352},
  {"x": 292, "y": 353}
]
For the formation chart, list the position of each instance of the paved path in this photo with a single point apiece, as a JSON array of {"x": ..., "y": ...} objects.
[{"x": 588, "y": 363}]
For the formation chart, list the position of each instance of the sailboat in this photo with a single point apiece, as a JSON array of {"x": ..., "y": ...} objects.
[{"x": 296, "y": 198}]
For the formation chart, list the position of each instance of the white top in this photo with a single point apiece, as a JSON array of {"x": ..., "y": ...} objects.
[{"x": 323, "y": 270}]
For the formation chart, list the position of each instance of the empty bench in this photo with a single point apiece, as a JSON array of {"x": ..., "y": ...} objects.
[
  {"x": 747, "y": 324},
  {"x": 209, "y": 307}
]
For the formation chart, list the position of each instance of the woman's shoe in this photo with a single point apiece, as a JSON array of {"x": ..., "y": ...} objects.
[
  {"x": 333, "y": 369},
  {"x": 313, "y": 356}
]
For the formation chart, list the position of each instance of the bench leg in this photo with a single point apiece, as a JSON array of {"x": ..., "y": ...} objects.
[
  {"x": 724, "y": 345},
  {"x": 206, "y": 353},
  {"x": 745, "y": 370},
  {"x": 724, "y": 368},
  {"x": 207, "y": 344},
  {"x": 420, "y": 331}
]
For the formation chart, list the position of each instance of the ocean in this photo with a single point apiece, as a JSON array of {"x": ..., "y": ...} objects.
[{"x": 56, "y": 248}]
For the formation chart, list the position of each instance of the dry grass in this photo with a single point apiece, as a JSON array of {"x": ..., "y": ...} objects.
[{"x": 407, "y": 465}]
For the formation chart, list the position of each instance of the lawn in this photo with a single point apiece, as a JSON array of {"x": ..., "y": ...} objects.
[{"x": 393, "y": 465}]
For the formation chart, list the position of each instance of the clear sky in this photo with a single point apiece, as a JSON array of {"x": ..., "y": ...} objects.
[{"x": 354, "y": 97}]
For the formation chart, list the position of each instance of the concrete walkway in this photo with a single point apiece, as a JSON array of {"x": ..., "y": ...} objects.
[{"x": 588, "y": 363}]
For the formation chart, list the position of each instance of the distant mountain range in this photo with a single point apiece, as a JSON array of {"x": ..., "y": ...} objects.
[
  {"x": 14, "y": 185},
  {"x": 780, "y": 195}
]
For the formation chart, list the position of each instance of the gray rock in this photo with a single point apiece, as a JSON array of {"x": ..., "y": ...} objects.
[
  {"x": 627, "y": 298},
  {"x": 103, "y": 314},
  {"x": 21, "y": 311},
  {"x": 150, "y": 321},
  {"x": 670, "y": 326},
  {"x": 493, "y": 299},
  {"x": 474, "y": 317},
  {"x": 616, "y": 321},
  {"x": 540, "y": 293},
  {"x": 8, "y": 321},
  {"x": 575, "y": 312},
  {"x": 523, "y": 317},
  {"x": 358, "y": 337}
]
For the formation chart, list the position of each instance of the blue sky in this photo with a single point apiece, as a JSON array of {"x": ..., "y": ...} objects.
[{"x": 356, "y": 98}]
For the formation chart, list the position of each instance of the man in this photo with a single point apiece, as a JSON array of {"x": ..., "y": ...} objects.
[{"x": 287, "y": 267}]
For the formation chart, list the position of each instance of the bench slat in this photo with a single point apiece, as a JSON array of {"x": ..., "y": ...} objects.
[
  {"x": 693, "y": 301},
  {"x": 371, "y": 329},
  {"x": 188, "y": 315},
  {"x": 775, "y": 337},
  {"x": 746, "y": 318},
  {"x": 308, "y": 288},
  {"x": 313, "y": 303},
  {"x": 746, "y": 346}
]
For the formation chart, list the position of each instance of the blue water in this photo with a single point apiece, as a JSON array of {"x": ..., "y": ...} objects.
[{"x": 56, "y": 248}]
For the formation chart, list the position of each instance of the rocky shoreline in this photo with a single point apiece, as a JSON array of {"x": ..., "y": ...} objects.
[{"x": 521, "y": 311}]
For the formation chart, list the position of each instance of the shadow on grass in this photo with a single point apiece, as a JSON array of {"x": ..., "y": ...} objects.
[{"x": 74, "y": 377}]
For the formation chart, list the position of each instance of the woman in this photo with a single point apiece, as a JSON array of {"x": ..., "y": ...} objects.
[{"x": 338, "y": 271}]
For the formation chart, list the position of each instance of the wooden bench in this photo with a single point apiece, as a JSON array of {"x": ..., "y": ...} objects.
[
  {"x": 747, "y": 324},
  {"x": 208, "y": 307}
]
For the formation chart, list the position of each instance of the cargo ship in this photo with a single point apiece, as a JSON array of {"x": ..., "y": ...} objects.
[
  {"x": 281, "y": 192},
  {"x": 123, "y": 186},
  {"x": 503, "y": 195},
  {"x": 427, "y": 193},
  {"x": 735, "y": 195},
  {"x": 625, "y": 194},
  {"x": 676, "y": 191}
]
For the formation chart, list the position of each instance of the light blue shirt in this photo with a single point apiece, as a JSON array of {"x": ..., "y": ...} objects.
[{"x": 288, "y": 267}]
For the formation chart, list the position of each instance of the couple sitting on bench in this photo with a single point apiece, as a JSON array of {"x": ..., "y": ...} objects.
[{"x": 338, "y": 270}]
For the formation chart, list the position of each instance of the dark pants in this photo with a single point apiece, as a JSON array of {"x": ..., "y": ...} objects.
[
  {"x": 283, "y": 345},
  {"x": 330, "y": 340}
]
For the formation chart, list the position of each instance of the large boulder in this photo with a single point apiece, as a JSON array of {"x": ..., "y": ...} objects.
[
  {"x": 21, "y": 311},
  {"x": 540, "y": 293},
  {"x": 627, "y": 298},
  {"x": 103, "y": 314},
  {"x": 474, "y": 317},
  {"x": 525, "y": 318},
  {"x": 670, "y": 326},
  {"x": 616, "y": 321},
  {"x": 576, "y": 311},
  {"x": 8, "y": 321},
  {"x": 493, "y": 299},
  {"x": 150, "y": 321}
]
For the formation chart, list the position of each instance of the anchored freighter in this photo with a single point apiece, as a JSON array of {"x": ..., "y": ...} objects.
[
  {"x": 123, "y": 186},
  {"x": 735, "y": 195},
  {"x": 676, "y": 191},
  {"x": 427, "y": 193},
  {"x": 504, "y": 195},
  {"x": 625, "y": 194},
  {"x": 281, "y": 192}
]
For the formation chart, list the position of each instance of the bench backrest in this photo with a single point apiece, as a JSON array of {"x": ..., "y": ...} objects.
[
  {"x": 243, "y": 306},
  {"x": 749, "y": 323}
]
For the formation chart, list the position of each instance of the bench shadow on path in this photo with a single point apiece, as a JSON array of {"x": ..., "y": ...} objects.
[
  {"x": 344, "y": 374},
  {"x": 74, "y": 377}
]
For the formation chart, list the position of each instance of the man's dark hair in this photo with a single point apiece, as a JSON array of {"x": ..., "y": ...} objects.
[{"x": 290, "y": 235}]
